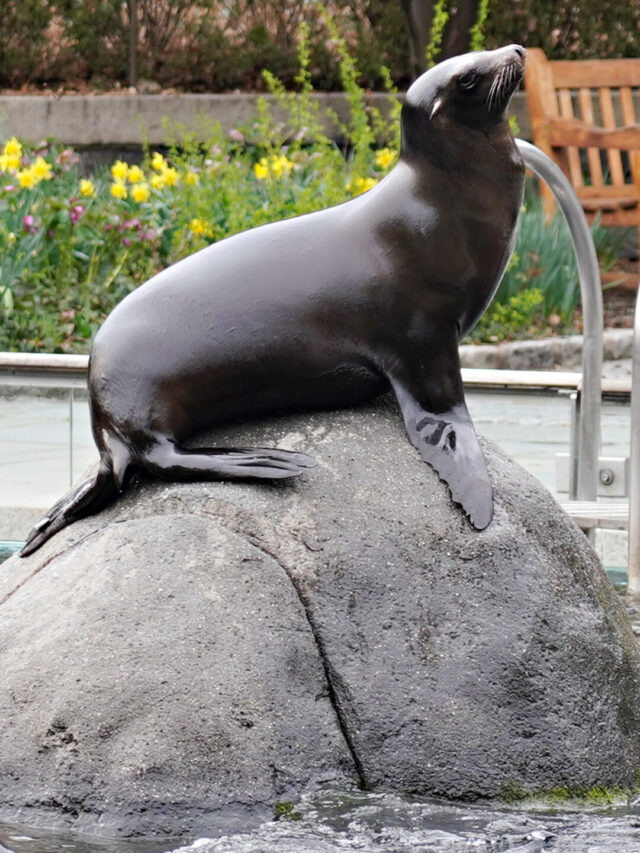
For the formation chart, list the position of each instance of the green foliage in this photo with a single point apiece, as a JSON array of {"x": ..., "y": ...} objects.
[
  {"x": 98, "y": 33},
  {"x": 595, "y": 796},
  {"x": 436, "y": 33},
  {"x": 567, "y": 29},
  {"x": 24, "y": 53},
  {"x": 285, "y": 811},
  {"x": 514, "y": 318},
  {"x": 476, "y": 33}
]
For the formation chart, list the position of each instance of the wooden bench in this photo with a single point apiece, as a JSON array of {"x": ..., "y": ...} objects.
[{"x": 584, "y": 117}]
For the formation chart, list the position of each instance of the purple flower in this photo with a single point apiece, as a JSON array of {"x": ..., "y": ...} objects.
[
  {"x": 126, "y": 242},
  {"x": 149, "y": 234},
  {"x": 29, "y": 224},
  {"x": 9, "y": 188},
  {"x": 235, "y": 135},
  {"x": 132, "y": 223},
  {"x": 76, "y": 212}
]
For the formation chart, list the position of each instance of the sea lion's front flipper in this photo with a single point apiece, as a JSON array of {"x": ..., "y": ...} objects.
[{"x": 439, "y": 426}]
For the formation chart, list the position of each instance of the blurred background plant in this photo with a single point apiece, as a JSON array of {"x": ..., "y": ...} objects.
[{"x": 218, "y": 45}]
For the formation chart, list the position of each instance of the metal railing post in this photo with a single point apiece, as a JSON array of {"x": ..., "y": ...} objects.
[
  {"x": 592, "y": 315},
  {"x": 633, "y": 566}
]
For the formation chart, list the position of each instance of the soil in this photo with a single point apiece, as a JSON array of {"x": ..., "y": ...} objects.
[{"x": 619, "y": 289}]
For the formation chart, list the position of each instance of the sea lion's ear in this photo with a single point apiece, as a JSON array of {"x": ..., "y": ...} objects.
[{"x": 436, "y": 106}]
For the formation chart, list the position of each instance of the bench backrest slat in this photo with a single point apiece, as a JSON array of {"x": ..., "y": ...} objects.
[
  {"x": 573, "y": 73},
  {"x": 565, "y": 102},
  {"x": 593, "y": 155},
  {"x": 609, "y": 121}
]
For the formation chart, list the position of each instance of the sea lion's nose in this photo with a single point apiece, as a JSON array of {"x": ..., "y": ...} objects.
[{"x": 519, "y": 50}]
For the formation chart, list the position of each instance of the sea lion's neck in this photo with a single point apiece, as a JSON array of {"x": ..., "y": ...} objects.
[{"x": 455, "y": 151}]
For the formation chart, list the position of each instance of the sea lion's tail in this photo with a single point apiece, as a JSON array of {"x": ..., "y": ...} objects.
[{"x": 89, "y": 497}]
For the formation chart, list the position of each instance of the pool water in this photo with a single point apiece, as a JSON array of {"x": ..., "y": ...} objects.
[{"x": 386, "y": 823}]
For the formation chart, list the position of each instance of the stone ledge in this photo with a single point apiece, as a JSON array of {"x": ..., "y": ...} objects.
[
  {"x": 124, "y": 120},
  {"x": 545, "y": 354}
]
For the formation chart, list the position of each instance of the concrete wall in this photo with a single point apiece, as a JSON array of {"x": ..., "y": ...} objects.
[{"x": 123, "y": 121}]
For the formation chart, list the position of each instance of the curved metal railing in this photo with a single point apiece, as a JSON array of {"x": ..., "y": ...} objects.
[
  {"x": 588, "y": 448},
  {"x": 633, "y": 566}
]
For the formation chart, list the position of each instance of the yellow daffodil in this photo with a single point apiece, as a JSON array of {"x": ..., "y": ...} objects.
[
  {"x": 192, "y": 178},
  {"x": 135, "y": 174},
  {"x": 26, "y": 178},
  {"x": 157, "y": 161},
  {"x": 41, "y": 169},
  {"x": 156, "y": 182},
  {"x": 118, "y": 190},
  {"x": 12, "y": 148},
  {"x": 281, "y": 165},
  {"x": 171, "y": 176},
  {"x": 261, "y": 169},
  {"x": 199, "y": 226},
  {"x": 140, "y": 192},
  {"x": 86, "y": 188},
  {"x": 361, "y": 185},
  {"x": 384, "y": 158},
  {"x": 119, "y": 170},
  {"x": 9, "y": 163}
]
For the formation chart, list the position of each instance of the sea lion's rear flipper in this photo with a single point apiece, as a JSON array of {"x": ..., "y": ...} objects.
[
  {"x": 439, "y": 426},
  {"x": 169, "y": 461},
  {"x": 87, "y": 498}
]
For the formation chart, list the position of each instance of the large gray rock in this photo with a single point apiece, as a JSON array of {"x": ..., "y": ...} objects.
[{"x": 198, "y": 652}]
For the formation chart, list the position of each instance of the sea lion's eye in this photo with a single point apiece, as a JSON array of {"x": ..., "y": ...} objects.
[{"x": 468, "y": 80}]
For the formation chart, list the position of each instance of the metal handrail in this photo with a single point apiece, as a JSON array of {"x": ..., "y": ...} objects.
[
  {"x": 633, "y": 563},
  {"x": 588, "y": 439}
]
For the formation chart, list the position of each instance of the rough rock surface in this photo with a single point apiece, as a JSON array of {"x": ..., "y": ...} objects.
[{"x": 200, "y": 651}]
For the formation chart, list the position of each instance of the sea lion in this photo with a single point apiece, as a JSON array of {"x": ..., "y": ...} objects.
[{"x": 324, "y": 310}]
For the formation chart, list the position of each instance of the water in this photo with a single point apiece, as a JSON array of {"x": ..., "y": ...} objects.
[{"x": 385, "y": 823}]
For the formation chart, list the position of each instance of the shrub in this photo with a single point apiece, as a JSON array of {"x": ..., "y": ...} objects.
[{"x": 24, "y": 53}]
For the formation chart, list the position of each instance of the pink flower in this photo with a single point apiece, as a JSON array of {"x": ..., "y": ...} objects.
[
  {"x": 131, "y": 223},
  {"x": 126, "y": 242},
  {"x": 76, "y": 212},
  {"x": 67, "y": 158},
  {"x": 29, "y": 224}
]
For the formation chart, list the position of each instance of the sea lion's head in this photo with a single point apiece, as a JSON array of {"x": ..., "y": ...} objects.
[{"x": 473, "y": 90}]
